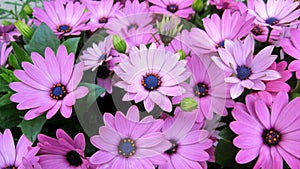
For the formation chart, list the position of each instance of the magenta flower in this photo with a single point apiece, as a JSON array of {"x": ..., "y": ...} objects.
[
  {"x": 126, "y": 142},
  {"x": 272, "y": 136},
  {"x": 5, "y": 51},
  {"x": 188, "y": 146},
  {"x": 11, "y": 156},
  {"x": 8, "y": 33},
  {"x": 246, "y": 70},
  {"x": 207, "y": 87},
  {"x": 102, "y": 12},
  {"x": 181, "y": 8},
  {"x": 225, "y": 4},
  {"x": 180, "y": 43},
  {"x": 151, "y": 75},
  {"x": 63, "y": 152},
  {"x": 64, "y": 19},
  {"x": 230, "y": 27},
  {"x": 49, "y": 84}
]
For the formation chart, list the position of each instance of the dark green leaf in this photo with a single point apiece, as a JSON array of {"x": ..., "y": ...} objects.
[
  {"x": 42, "y": 38},
  {"x": 227, "y": 134},
  {"x": 31, "y": 128},
  {"x": 3, "y": 85},
  {"x": 5, "y": 99},
  {"x": 9, "y": 116},
  {"x": 71, "y": 45},
  {"x": 20, "y": 53},
  {"x": 13, "y": 61}
]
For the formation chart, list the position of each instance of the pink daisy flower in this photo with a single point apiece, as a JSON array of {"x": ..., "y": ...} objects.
[
  {"x": 272, "y": 136},
  {"x": 275, "y": 13},
  {"x": 225, "y": 4},
  {"x": 230, "y": 27},
  {"x": 11, "y": 156},
  {"x": 49, "y": 84},
  {"x": 207, "y": 87},
  {"x": 151, "y": 75},
  {"x": 8, "y": 33},
  {"x": 5, "y": 51},
  {"x": 126, "y": 142},
  {"x": 245, "y": 69},
  {"x": 188, "y": 146},
  {"x": 180, "y": 8},
  {"x": 64, "y": 19},
  {"x": 180, "y": 43},
  {"x": 102, "y": 12},
  {"x": 63, "y": 152}
]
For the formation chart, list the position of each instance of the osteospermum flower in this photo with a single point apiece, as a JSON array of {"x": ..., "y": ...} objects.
[
  {"x": 188, "y": 145},
  {"x": 207, "y": 87},
  {"x": 126, "y": 142},
  {"x": 62, "y": 151},
  {"x": 270, "y": 135},
  {"x": 225, "y": 4},
  {"x": 245, "y": 69},
  {"x": 5, "y": 51},
  {"x": 64, "y": 19},
  {"x": 8, "y": 33},
  {"x": 181, "y": 8},
  {"x": 229, "y": 27},
  {"x": 151, "y": 75},
  {"x": 11, "y": 156},
  {"x": 49, "y": 84}
]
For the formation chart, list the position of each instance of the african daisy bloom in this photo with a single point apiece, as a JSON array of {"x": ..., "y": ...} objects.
[
  {"x": 62, "y": 151},
  {"x": 188, "y": 145},
  {"x": 245, "y": 69},
  {"x": 225, "y": 4},
  {"x": 125, "y": 142},
  {"x": 180, "y": 8},
  {"x": 151, "y": 75},
  {"x": 64, "y": 19},
  {"x": 270, "y": 136},
  {"x": 229, "y": 27},
  {"x": 49, "y": 84},
  {"x": 11, "y": 156},
  {"x": 5, "y": 51}
]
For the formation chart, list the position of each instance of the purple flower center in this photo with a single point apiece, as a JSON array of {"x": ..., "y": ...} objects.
[
  {"x": 151, "y": 81},
  {"x": 58, "y": 91},
  {"x": 243, "y": 72},
  {"x": 133, "y": 26},
  {"x": 272, "y": 21},
  {"x": 220, "y": 44},
  {"x": 173, "y": 148},
  {"x": 126, "y": 147},
  {"x": 74, "y": 158},
  {"x": 103, "y": 72},
  {"x": 103, "y": 20},
  {"x": 257, "y": 30},
  {"x": 271, "y": 137},
  {"x": 201, "y": 90},
  {"x": 64, "y": 28},
  {"x": 172, "y": 8}
]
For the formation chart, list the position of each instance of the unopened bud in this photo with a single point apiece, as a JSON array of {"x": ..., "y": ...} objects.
[
  {"x": 182, "y": 54},
  {"x": 28, "y": 10},
  {"x": 198, "y": 5},
  {"x": 119, "y": 44},
  {"x": 25, "y": 30},
  {"x": 188, "y": 104}
]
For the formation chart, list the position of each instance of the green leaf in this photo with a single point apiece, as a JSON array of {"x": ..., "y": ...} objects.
[
  {"x": 94, "y": 92},
  {"x": 8, "y": 75},
  {"x": 227, "y": 135},
  {"x": 5, "y": 99},
  {"x": 71, "y": 45},
  {"x": 9, "y": 116},
  {"x": 13, "y": 61},
  {"x": 42, "y": 38},
  {"x": 20, "y": 53},
  {"x": 31, "y": 128},
  {"x": 3, "y": 85}
]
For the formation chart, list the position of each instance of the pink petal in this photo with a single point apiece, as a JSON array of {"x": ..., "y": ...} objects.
[
  {"x": 101, "y": 157},
  {"x": 263, "y": 113},
  {"x": 245, "y": 156}
]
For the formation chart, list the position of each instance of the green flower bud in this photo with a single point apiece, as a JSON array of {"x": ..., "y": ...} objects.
[
  {"x": 182, "y": 54},
  {"x": 28, "y": 10},
  {"x": 188, "y": 104},
  {"x": 198, "y": 5},
  {"x": 119, "y": 44},
  {"x": 25, "y": 30},
  {"x": 6, "y": 23}
]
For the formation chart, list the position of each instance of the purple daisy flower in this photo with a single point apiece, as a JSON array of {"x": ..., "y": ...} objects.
[
  {"x": 180, "y": 8},
  {"x": 230, "y": 27},
  {"x": 8, "y": 33},
  {"x": 246, "y": 70},
  {"x": 48, "y": 84},
  {"x": 180, "y": 43},
  {"x": 151, "y": 75},
  {"x": 188, "y": 146},
  {"x": 63, "y": 152},
  {"x": 5, "y": 51},
  {"x": 207, "y": 87},
  {"x": 272, "y": 136},
  {"x": 225, "y": 4},
  {"x": 126, "y": 142},
  {"x": 64, "y": 19},
  {"x": 11, "y": 156}
]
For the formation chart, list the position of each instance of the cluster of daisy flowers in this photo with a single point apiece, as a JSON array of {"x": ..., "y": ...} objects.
[{"x": 210, "y": 83}]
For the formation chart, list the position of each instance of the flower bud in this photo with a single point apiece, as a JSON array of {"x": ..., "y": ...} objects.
[
  {"x": 188, "y": 104},
  {"x": 119, "y": 44},
  {"x": 25, "y": 30},
  {"x": 182, "y": 54},
  {"x": 198, "y": 5},
  {"x": 6, "y": 23},
  {"x": 28, "y": 10}
]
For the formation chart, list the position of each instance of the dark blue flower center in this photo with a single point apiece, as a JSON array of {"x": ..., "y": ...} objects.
[
  {"x": 201, "y": 90},
  {"x": 271, "y": 137},
  {"x": 272, "y": 21},
  {"x": 74, "y": 158},
  {"x": 151, "y": 81},
  {"x": 102, "y": 57},
  {"x": 172, "y": 8},
  {"x": 58, "y": 91},
  {"x": 103, "y": 20},
  {"x": 10, "y": 167},
  {"x": 64, "y": 28},
  {"x": 243, "y": 72},
  {"x": 173, "y": 148},
  {"x": 257, "y": 30},
  {"x": 220, "y": 44},
  {"x": 133, "y": 26},
  {"x": 103, "y": 72},
  {"x": 126, "y": 147}
]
